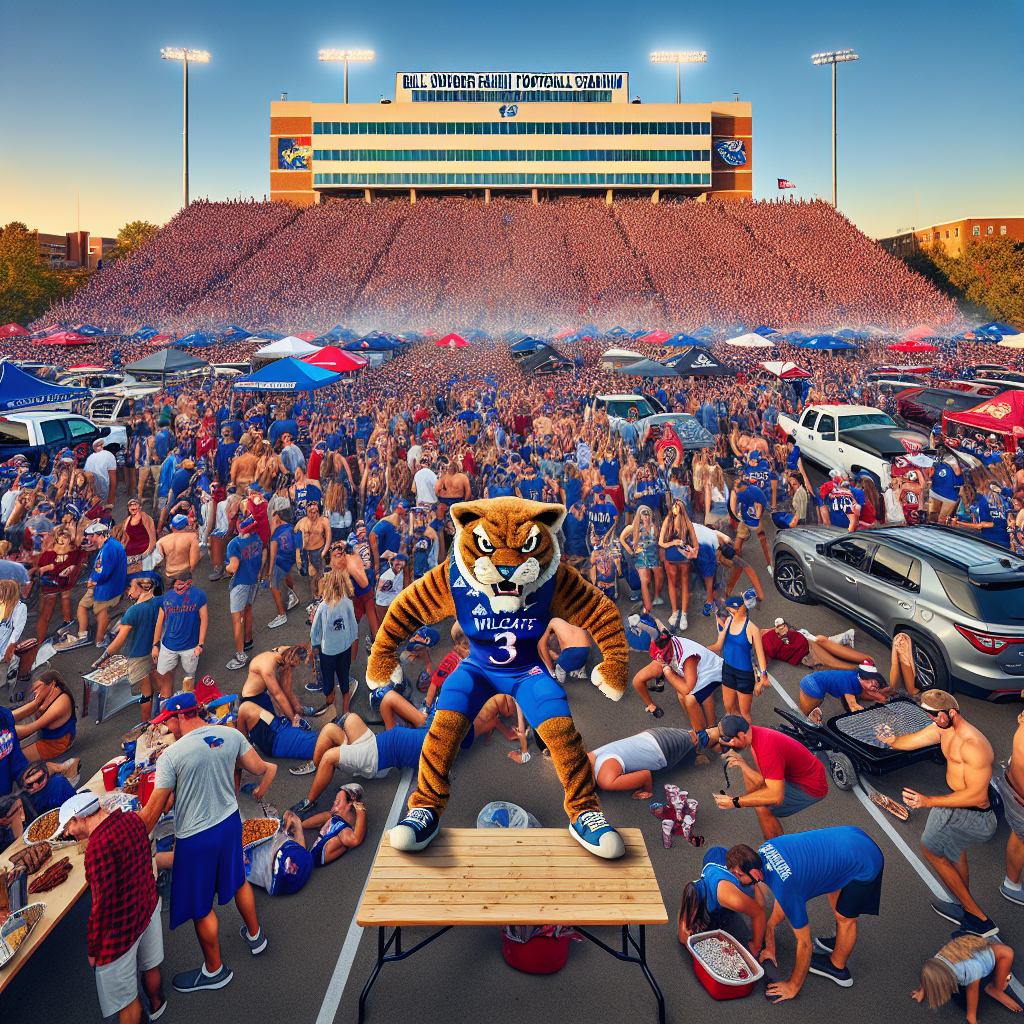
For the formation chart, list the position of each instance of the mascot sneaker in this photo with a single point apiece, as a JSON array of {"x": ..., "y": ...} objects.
[
  {"x": 419, "y": 826},
  {"x": 593, "y": 833}
]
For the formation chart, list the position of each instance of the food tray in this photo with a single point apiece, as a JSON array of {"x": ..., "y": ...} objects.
[
  {"x": 902, "y": 716},
  {"x": 718, "y": 984},
  {"x": 259, "y": 825},
  {"x": 16, "y": 928},
  {"x": 120, "y": 802},
  {"x": 44, "y": 828},
  {"x": 112, "y": 671}
]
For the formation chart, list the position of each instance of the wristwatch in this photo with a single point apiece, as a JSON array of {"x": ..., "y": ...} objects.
[{"x": 735, "y": 801}]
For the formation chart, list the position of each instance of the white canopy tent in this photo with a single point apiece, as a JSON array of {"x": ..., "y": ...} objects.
[
  {"x": 616, "y": 357},
  {"x": 750, "y": 341},
  {"x": 290, "y": 346}
]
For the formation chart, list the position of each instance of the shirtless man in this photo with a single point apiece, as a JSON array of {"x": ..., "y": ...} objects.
[
  {"x": 243, "y": 466},
  {"x": 958, "y": 819},
  {"x": 452, "y": 485},
  {"x": 179, "y": 549},
  {"x": 1009, "y": 783},
  {"x": 269, "y": 683},
  {"x": 573, "y": 648},
  {"x": 316, "y": 535}
]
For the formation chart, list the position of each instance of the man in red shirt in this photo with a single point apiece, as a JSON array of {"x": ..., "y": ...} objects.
[
  {"x": 124, "y": 935},
  {"x": 786, "y": 778},
  {"x": 449, "y": 664}
]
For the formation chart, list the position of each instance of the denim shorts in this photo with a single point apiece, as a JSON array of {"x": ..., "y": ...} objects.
[
  {"x": 795, "y": 799},
  {"x": 949, "y": 831}
]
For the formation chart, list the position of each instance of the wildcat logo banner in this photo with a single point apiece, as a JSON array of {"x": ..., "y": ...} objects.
[{"x": 732, "y": 151}]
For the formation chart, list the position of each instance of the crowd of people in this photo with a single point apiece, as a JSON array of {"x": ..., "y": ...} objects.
[{"x": 460, "y": 263}]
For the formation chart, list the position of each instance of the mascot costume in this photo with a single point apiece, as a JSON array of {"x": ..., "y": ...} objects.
[{"x": 503, "y": 582}]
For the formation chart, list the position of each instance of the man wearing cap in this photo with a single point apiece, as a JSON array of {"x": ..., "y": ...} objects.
[
  {"x": 961, "y": 818},
  {"x": 291, "y": 455},
  {"x": 179, "y": 549},
  {"x": 135, "y": 635},
  {"x": 748, "y": 505},
  {"x": 180, "y": 630},
  {"x": 785, "y": 779},
  {"x": 101, "y": 469},
  {"x": 124, "y": 934},
  {"x": 107, "y": 583},
  {"x": 846, "y": 685},
  {"x": 285, "y": 543},
  {"x": 199, "y": 770},
  {"x": 245, "y": 558}
]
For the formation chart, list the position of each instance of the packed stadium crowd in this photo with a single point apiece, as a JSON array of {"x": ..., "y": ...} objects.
[{"x": 462, "y": 263}]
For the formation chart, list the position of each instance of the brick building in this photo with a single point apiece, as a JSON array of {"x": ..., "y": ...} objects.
[
  {"x": 75, "y": 249},
  {"x": 952, "y": 234}
]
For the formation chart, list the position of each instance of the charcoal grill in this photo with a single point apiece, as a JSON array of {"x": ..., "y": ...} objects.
[{"x": 850, "y": 744}]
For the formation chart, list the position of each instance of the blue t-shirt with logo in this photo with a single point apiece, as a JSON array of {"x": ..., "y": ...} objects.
[
  {"x": 531, "y": 489},
  {"x": 12, "y": 761},
  {"x": 575, "y": 535},
  {"x": 289, "y": 540},
  {"x": 992, "y": 509},
  {"x": 142, "y": 618},
  {"x": 248, "y": 550},
  {"x": 945, "y": 484},
  {"x": 181, "y": 618},
  {"x": 746, "y": 501},
  {"x": 602, "y": 517}
]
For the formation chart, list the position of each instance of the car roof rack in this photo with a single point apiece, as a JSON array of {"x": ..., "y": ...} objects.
[{"x": 949, "y": 544}]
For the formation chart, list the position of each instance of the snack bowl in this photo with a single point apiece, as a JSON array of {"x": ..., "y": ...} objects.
[
  {"x": 257, "y": 831},
  {"x": 718, "y": 984},
  {"x": 16, "y": 928},
  {"x": 44, "y": 828}
]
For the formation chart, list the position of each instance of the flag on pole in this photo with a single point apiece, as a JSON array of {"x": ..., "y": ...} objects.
[{"x": 785, "y": 184}]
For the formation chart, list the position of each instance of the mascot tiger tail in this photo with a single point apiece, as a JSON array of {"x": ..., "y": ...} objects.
[{"x": 503, "y": 582}]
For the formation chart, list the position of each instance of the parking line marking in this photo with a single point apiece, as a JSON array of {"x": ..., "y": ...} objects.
[
  {"x": 886, "y": 826},
  {"x": 342, "y": 969}
]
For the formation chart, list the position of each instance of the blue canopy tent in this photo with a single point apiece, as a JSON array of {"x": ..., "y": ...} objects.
[
  {"x": 994, "y": 325},
  {"x": 21, "y": 390},
  {"x": 232, "y": 331},
  {"x": 269, "y": 335},
  {"x": 145, "y": 333},
  {"x": 371, "y": 344},
  {"x": 825, "y": 342},
  {"x": 848, "y": 333},
  {"x": 682, "y": 341},
  {"x": 197, "y": 339},
  {"x": 527, "y": 345},
  {"x": 765, "y": 331},
  {"x": 619, "y": 332},
  {"x": 89, "y": 331},
  {"x": 288, "y": 374},
  {"x": 339, "y": 333}
]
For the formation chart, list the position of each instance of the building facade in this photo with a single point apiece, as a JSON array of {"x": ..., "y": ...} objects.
[
  {"x": 509, "y": 132},
  {"x": 75, "y": 249},
  {"x": 953, "y": 234}
]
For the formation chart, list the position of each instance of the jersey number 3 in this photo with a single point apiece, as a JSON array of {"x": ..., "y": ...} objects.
[{"x": 509, "y": 647}]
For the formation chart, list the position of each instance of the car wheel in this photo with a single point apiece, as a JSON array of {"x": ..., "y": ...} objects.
[
  {"x": 929, "y": 665},
  {"x": 790, "y": 580},
  {"x": 844, "y": 775}
]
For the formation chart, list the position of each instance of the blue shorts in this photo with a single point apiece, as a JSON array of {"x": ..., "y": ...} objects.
[
  {"x": 706, "y": 691},
  {"x": 573, "y": 658},
  {"x": 795, "y": 799},
  {"x": 292, "y": 742},
  {"x": 261, "y": 700},
  {"x": 707, "y": 560},
  {"x": 532, "y": 687},
  {"x": 208, "y": 864}
]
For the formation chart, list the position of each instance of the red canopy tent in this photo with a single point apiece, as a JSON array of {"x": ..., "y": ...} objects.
[
  {"x": 912, "y": 345},
  {"x": 305, "y": 335},
  {"x": 67, "y": 338},
  {"x": 656, "y": 337},
  {"x": 336, "y": 359},
  {"x": 564, "y": 332},
  {"x": 787, "y": 370},
  {"x": 13, "y": 331},
  {"x": 919, "y": 332},
  {"x": 1001, "y": 414},
  {"x": 159, "y": 339},
  {"x": 451, "y": 341}
]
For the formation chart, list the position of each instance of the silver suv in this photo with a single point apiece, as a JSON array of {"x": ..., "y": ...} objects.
[{"x": 960, "y": 598}]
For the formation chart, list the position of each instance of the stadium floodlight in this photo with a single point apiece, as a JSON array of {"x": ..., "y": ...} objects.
[
  {"x": 834, "y": 57},
  {"x": 677, "y": 58},
  {"x": 346, "y": 56},
  {"x": 186, "y": 57}
]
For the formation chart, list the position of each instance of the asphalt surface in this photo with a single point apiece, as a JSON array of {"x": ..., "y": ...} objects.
[{"x": 462, "y": 976}]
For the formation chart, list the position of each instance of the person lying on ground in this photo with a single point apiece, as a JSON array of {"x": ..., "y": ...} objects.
[
  {"x": 799, "y": 647},
  {"x": 564, "y": 649},
  {"x": 846, "y": 685}
]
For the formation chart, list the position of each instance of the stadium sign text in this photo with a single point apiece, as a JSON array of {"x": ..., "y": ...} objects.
[{"x": 513, "y": 80}]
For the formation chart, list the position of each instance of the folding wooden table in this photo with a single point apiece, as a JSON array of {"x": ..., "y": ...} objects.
[{"x": 534, "y": 876}]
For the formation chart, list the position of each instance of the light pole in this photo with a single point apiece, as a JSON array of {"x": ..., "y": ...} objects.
[
  {"x": 346, "y": 56},
  {"x": 677, "y": 58},
  {"x": 834, "y": 57},
  {"x": 186, "y": 57}
]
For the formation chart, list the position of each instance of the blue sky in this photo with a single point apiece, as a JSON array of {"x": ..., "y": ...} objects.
[{"x": 935, "y": 103}]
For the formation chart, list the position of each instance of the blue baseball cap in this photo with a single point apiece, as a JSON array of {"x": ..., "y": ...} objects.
[
  {"x": 733, "y": 602},
  {"x": 179, "y": 522},
  {"x": 176, "y": 705},
  {"x": 426, "y": 636},
  {"x": 246, "y": 524}
]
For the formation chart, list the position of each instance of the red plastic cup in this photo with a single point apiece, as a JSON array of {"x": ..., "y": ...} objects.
[
  {"x": 110, "y": 774},
  {"x": 146, "y": 787}
]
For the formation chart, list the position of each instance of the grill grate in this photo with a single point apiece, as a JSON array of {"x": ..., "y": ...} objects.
[{"x": 902, "y": 717}]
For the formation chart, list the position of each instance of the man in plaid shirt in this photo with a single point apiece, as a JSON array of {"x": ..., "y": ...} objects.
[{"x": 124, "y": 934}]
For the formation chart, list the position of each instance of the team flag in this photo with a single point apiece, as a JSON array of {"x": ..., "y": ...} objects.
[{"x": 785, "y": 184}]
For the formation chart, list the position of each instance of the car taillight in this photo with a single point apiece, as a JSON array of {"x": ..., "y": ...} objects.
[{"x": 987, "y": 643}]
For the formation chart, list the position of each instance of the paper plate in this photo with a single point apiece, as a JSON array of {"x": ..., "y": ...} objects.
[{"x": 16, "y": 928}]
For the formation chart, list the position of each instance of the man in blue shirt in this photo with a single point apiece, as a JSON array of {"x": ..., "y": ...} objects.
[
  {"x": 245, "y": 557},
  {"x": 841, "y": 507},
  {"x": 761, "y": 476},
  {"x": 530, "y": 487},
  {"x": 108, "y": 582},
  {"x": 285, "y": 543},
  {"x": 993, "y": 508},
  {"x": 601, "y": 518},
  {"x": 844, "y": 863},
  {"x": 135, "y": 636},
  {"x": 225, "y": 453},
  {"x": 846, "y": 685},
  {"x": 281, "y": 427},
  {"x": 748, "y": 504},
  {"x": 180, "y": 630},
  {"x": 945, "y": 488}
]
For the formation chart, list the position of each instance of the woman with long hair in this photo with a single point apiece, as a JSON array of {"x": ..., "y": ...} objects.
[
  {"x": 336, "y": 507},
  {"x": 677, "y": 534},
  {"x": 739, "y": 644},
  {"x": 872, "y": 511},
  {"x": 711, "y": 900},
  {"x": 640, "y": 540},
  {"x": 333, "y": 633},
  {"x": 963, "y": 964},
  {"x": 55, "y": 713},
  {"x": 716, "y": 498},
  {"x": 139, "y": 532},
  {"x": 58, "y": 569}
]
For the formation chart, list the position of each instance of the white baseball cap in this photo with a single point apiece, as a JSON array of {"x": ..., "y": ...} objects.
[
  {"x": 81, "y": 805},
  {"x": 780, "y": 621}
]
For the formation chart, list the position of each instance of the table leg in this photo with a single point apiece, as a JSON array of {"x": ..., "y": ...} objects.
[
  {"x": 641, "y": 959},
  {"x": 381, "y": 950},
  {"x": 383, "y": 945}
]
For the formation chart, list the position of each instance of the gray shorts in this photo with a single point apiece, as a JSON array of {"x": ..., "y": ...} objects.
[
  {"x": 951, "y": 830},
  {"x": 675, "y": 744},
  {"x": 1012, "y": 806},
  {"x": 242, "y": 595},
  {"x": 117, "y": 983},
  {"x": 795, "y": 799},
  {"x": 277, "y": 575}
]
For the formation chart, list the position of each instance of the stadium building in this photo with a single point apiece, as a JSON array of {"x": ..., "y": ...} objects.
[{"x": 532, "y": 134}]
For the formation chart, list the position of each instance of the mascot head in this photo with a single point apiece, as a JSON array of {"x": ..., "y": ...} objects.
[{"x": 507, "y": 547}]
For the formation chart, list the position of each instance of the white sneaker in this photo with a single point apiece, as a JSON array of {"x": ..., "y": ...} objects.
[
  {"x": 560, "y": 673},
  {"x": 771, "y": 571},
  {"x": 279, "y": 621},
  {"x": 682, "y": 622},
  {"x": 846, "y": 639},
  {"x": 673, "y": 619}
]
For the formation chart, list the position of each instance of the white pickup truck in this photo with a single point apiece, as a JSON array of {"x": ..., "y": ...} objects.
[
  {"x": 39, "y": 436},
  {"x": 855, "y": 438}
]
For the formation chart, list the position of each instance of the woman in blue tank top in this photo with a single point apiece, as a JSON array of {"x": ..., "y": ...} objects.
[
  {"x": 56, "y": 714},
  {"x": 708, "y": 903},
  {"x": 739, "y": 642}
]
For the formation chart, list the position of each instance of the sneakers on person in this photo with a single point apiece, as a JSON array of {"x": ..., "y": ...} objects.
[
  {"x": 313, "y": 686},
  {"x": 683, "y": 622},
  {"x": 238, "y": 661},
  {"x": 198, "y": 981},
  {"x": 72, "y": 642},
  {"x": 293, "y": 601},
  {"x": 278, "y": 620},
  {"x": 985, "y": 927},
  {"x": 592, "y": 831},
  {"x": 256, "y": 945},
  {"x": 353, "y": 685},
  {"x": 304, "y": 769},
  {"x": 218, "y": 573},
  {"x": 771, "y": 571},
  {"x": 950, "y": 911},
  {"x": 158, "y": 1012},
  {"x": 821, "y": 964},
  {"x": 416, "y": 830},
  {"x": 846, "y": 639},
  {"x": 304, "y": 805},
  {"x": 659, "y": 600},
  {"x": 323, "y": 710},
  {"x": 673, "y": 619},
  {"x": 1015, "y": 894},
  {"x": 708, "y": 608},
  {"x": 826, "y": 943},
  {"x": 248, "y": 645}
]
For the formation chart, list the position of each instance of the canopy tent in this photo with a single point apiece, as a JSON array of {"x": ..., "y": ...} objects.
[
  {"x": 1001, "y": 414},
  {"x": 88, "y": 331},
  {"x": 287, "y": 374},
  {"x": 824, "y": 342},
  {"x": 337, "y": 360},
  {"x": 370, "y": 344},
  {"x": 919, "y": 332},
  {"x": 285, "y": 347},
  {"x": 166, "y": 362},
  {"x": 978, "y": 335},
  {"x": 647, "y": 368},
  {"x": 618, "y": 332},
  {"x": 1012, "y": 341},
  {"x": 616, "y": 357},
  {"x": 521, "y": 349},
  {"x": 197, "y": 339},
  {"x": 996, "y": 326},
  {"x": 233, "y": 332},
  {"x": 912, "y": 346},
  {"x": 545, "y": 360},
  {"x": 750, "y": 341},
  {"x": 451, "y": 341},
  {"x": 684, "y": 341},
  {"x": 145, "y": 333},
  {"x": 21, "y": 390},
  {"x": 767, "y": 332},
  {"x": 787, "y": 370},
  {"x": 656, "y": 337},
  {"x": 67, "y": 338},
  {"x": 268, "y": 335},
  {"x": 340, "y": 333},
  {"x": 160, "y": 339},
  {"x": 699, "y": 362},
  {"x": 13, "y": 331},
  {"x": 564, "y": 332}
]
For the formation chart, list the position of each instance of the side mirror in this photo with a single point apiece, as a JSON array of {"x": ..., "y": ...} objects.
[{"x": 820, "y": 548}]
